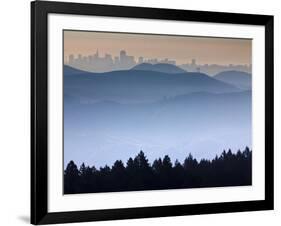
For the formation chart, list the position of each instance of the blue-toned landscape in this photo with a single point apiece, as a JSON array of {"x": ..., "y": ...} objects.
[
  {"x": 114, "y": 115},
  {"x": 157, "y": 124}
]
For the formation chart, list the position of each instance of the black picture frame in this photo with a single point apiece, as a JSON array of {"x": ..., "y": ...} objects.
[{"x": 39, "y": 112}]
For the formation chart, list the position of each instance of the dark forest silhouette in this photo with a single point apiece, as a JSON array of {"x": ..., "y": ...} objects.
[{"x": 228, "y": 169}]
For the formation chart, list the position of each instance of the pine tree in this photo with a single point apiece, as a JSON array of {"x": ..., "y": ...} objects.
[{"x": 71, "y": 178}]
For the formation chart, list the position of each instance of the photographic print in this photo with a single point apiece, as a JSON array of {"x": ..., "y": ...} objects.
[{"x": 151, "y": 112}]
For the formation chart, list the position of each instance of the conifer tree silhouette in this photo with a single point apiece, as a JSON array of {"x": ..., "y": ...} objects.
[{"x": 228, "y": 169}]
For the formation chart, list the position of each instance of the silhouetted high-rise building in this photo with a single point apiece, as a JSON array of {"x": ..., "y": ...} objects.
[
  {"x": 71, "y": 59},
  {"x": 193, "y": 62},
  {"x": 140, "y": 61},
  {"x": 122, "y": 55}
]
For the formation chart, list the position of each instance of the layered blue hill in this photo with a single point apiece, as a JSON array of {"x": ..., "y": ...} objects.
[
  {"x": 138, "y": 85},
  {"x": 239, "y": 79},
  {"x": 68, "y": 70},
  {"x": 114, "y": 115}
]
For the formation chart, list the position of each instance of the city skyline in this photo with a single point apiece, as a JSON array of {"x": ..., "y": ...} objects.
[
  {"x": 97, "y": 62},
  {"x": 206, "y": 50}
]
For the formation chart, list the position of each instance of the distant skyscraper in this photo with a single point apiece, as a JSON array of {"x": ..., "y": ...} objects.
[
  {"x": 71, "y": 59},
  {"x": 122, "y": 54},
  {"x": 97, "y": 54},
  {"x": 125, "y": 60},
  {"x": 193, "y": 62},
  {"x": 116, "y": 61},
  {"x": 140, "y": 61}
]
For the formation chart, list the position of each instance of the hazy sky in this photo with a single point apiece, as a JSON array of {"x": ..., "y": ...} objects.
[{"x": 179, "y": 48}]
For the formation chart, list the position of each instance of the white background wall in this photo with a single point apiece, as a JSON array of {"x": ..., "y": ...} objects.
[{"x": 15, "y": 113}]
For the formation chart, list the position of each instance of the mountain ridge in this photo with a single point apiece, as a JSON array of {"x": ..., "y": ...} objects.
[
  {"x": 140, "y": 85},
  {"x": 72, "y": 70},
  {"x": 160, "y": 67},
  {"x": 239, "y": 79}
]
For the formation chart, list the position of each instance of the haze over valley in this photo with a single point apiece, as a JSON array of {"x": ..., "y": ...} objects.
[{"x": 158, "y": 108}]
